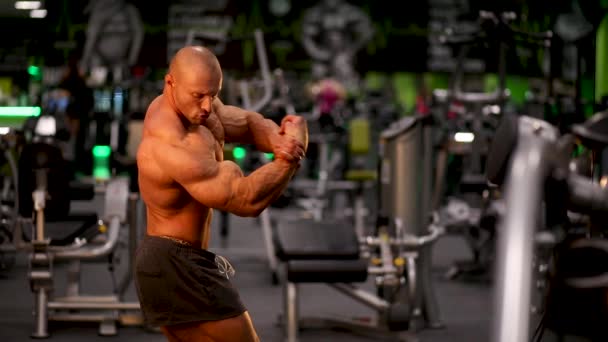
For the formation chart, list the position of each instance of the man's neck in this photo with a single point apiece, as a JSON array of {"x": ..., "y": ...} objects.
[{"x": 168, "y": 96}]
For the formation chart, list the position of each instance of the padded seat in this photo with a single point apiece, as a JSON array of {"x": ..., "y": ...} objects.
[
  {"x": 320, "y": 252},
  {"x": 327, "y": 271},
  {"x": 307, "y": 239}
]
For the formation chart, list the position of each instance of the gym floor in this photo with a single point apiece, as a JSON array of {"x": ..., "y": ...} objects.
[{"x": 465, "y": 306}]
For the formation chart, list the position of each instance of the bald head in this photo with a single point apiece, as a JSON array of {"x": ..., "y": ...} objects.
[
  {"x": 193, "y": 82},
  {"x": 195, "y": 59}
]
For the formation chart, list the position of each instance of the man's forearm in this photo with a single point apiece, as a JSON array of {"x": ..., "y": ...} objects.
[{"x": 263, "y": 186}]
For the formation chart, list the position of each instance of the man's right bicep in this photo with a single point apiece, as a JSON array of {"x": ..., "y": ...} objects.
[
  {"x": 195, "y": 173},
  {"x": 217, "y": 186}
]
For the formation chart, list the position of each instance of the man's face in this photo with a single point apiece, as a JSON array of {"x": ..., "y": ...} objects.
[{"x": 195, "y": 91}]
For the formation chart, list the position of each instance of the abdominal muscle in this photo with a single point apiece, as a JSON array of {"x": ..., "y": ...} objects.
[{"x": 190, "y": 223}]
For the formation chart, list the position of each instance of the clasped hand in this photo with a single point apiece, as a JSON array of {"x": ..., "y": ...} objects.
[{"x": 293, "y": 139}]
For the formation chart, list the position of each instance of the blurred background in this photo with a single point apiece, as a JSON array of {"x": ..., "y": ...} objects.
[
  {"x": 396, "y": 54},
  {"x": 414, "y": 111}
]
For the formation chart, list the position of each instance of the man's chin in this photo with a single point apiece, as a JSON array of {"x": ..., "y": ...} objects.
[{"x": 199, "y": 120}]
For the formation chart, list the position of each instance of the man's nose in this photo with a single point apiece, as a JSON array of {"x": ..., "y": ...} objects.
[{"x": 206, "y": 104}]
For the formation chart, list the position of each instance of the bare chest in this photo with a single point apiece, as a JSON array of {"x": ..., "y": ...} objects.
[{"x": 207, "y": 140}]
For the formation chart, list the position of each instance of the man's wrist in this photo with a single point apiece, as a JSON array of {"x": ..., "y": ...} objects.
[{"x": 283, "y": 161}]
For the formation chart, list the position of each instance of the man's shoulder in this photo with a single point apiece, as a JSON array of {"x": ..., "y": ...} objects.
[
  {"x": 158, "y": 140},
  {"x": 156, "y": 102},
  {"x": 158, "y": 123}
]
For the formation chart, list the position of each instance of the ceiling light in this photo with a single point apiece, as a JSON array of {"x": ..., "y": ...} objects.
[
  {"x": 464, "y": 137},
  {"x": 27, "y": 5},
  {"x": 38, "y": 13}
]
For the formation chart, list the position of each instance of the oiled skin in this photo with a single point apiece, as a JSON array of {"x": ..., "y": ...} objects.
[{"x": 182, "y": 174}]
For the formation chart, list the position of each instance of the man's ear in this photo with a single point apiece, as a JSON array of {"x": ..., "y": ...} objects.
[{"x": 169, "y": 79}]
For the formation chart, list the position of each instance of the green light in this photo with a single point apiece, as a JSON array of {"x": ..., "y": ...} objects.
[
  {"x": 269, "y": 156},
  {"x": 33, "y": 70},
  {"x": 239, "y": 153},
  {"x": 20, "y": 111},
  {"x": 101, "y": 173},
  {"x": 101, "y": 151},
  {"x": 101, "y": 161}
]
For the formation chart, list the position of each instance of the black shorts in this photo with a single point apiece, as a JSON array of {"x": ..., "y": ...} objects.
[{"x": 178, "y": 283}]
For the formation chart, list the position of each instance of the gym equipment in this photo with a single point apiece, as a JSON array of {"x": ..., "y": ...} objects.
[
  {"x": 332, "y": 34},
  {"x": 330, "y": 138},
  {"x": 360, "y": 171},
  {"x": 115, "y": 33},
  {"x": 475, "y": 206},
  {"x": 328, "y": 252},
  {"x": 405, "y": 199},
  {"x": 534, "y": 171},
  {"x": 601, "y": 54},
  {"x": 45, "y": 193},
  {"x": 311, "y": 195},
  {"x": 397, "y": 255},
  {"x": 9, "y": 197},
  {"x": 108, "y": 310}
]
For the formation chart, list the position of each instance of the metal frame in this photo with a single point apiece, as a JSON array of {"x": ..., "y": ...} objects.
[
  {"x": 533, "y": 162},
  {"x": 529, "y": 167},
  {"x": 120, "y": 207},
  {"x": 405, "y": 144},
  {"x": 410, "y": 247},
  {"x": 293, "y": 323}
]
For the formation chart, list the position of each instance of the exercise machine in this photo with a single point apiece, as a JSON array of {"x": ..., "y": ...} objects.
[
  {"x": 10, "y": 143},
  {"x": 406, "y": 186},
  {"x": 474, "y": 207},
  {"x": 109, "y": 310},
  {"x": 46, "y": 192},
  {"x": 531, "y": 160},
  {"x": 397, "y": 254}
]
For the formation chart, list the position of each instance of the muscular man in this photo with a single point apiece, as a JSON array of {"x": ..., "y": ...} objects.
[{"x": 183, "y": 287}]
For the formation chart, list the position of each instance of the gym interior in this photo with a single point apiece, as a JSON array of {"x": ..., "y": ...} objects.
[{"x": 454, "y": 188}]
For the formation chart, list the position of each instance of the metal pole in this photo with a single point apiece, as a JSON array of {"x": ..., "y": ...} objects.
[
  {"x": 428, "y": 300},
  {"x": 133, "y": 219},
  {"x": 73, "y": 278},
  {"x": 260, "y": 47},
  {"x": 267, "y": 235},
  {"x": 512, "y": 298},
  {"x": 94, "y": 252},
  {"x": 291, "y": 311},
  {"x": 41, "y": 330},
  {"x": 362, "y": 296},
  {"x": 359, "y": 213}
]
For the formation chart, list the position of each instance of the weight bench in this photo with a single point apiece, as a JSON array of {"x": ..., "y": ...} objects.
[{"x": 328, "y": 252}]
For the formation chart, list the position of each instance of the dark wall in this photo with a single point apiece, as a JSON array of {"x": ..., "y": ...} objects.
[{"x": 400, "y": 42}]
